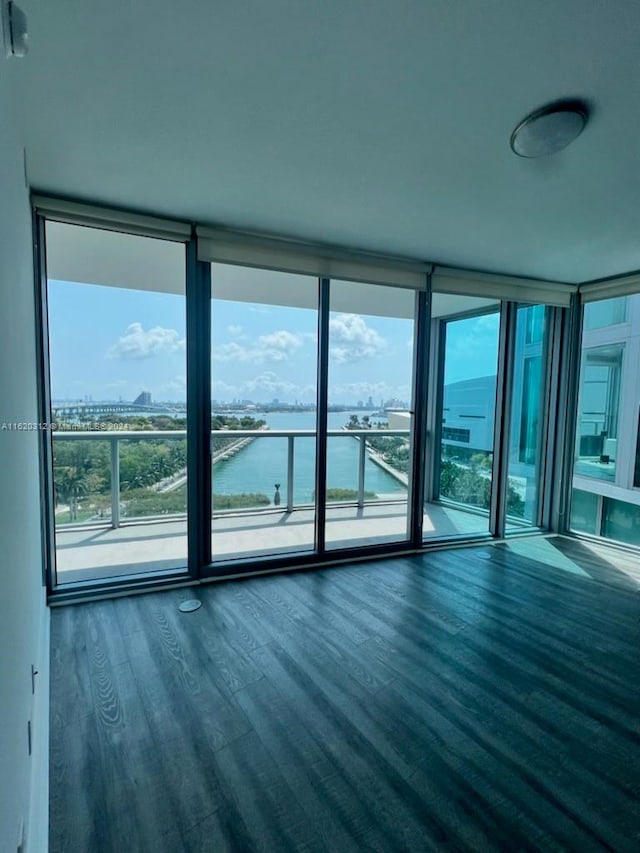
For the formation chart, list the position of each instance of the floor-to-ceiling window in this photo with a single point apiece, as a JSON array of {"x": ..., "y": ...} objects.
[
  {"x": 460, "y": 439},
  {"x": 528, "y": 406},
  {"x": 606, "y": 485},
  {"x": 369, "y": 420},
  {"x": 264, "y": 356},
  {"x": 343, "y": 411},
  {"x": 116, "y": 340}
]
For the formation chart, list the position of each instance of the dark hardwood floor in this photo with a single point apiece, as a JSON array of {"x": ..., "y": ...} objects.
[{"x": 472, "y": 699}]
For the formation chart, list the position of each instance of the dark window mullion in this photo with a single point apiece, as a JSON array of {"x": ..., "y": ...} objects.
[
  {"x": 502, "y": 420},
  {"x": 198, "y": 296},
  {"x": 569, "y": 391},
  {"x": 553, "y": 367},
  {"x": 321, "y": 414},
  {"x": 45, "y": 414},
  {"x": 437, "y": 368},
  {"x": 420, "y": 402}
]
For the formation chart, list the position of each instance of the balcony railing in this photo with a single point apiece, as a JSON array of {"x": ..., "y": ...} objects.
[{"x": 114, "y": 438}]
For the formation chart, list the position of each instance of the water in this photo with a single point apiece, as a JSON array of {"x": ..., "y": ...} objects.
[{"x": 263, "y": 463}]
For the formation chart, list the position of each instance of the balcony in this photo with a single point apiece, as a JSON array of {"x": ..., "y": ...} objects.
[{"x": 115, "y": 525}]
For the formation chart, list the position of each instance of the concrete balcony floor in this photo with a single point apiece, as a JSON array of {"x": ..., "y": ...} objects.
[{"x": 138, "y": 547}]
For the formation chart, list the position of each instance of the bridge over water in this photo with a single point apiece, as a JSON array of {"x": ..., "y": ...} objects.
[{"x": 90, "y": 410}]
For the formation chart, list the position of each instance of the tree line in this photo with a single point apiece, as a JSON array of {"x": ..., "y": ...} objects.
[
  {"x": 466, "y": 479},
  {"x": 82, "y": 469}
]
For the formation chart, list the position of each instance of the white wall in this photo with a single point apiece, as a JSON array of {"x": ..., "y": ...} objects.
[{"x": 24, "y": 626}]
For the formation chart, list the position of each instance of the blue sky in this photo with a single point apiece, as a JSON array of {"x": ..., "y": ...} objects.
[
  {"x": 112, "y": 343},
  {"x": 472, "y": 348}
]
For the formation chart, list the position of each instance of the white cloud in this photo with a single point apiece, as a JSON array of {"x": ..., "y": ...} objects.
[
  {"x": 232, "y": 352},
  {"x": 281, "y": 340},
  {"x": 235, "y": 331},
  {"x": 271, "y": 385},
  {"x": 137, "y": 343},
  {"x": 176, "y": 388},
  {"x": 264, "y": 387},
  {"x": 352, "y": 340},
  {"x": 222, "y": 390},
  {"x": 274, "y": 347}
]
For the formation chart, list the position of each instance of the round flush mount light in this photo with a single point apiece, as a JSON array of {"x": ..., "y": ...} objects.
[{"x": 549, "y": 129}]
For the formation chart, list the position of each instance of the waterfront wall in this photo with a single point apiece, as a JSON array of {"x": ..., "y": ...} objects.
[{"x": 398, "y": 475}]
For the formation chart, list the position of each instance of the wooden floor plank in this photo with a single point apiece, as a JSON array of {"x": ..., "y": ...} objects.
[{"x": 475, "y": 699}]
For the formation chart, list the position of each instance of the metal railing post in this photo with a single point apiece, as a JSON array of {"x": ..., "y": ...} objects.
[
  {"x": 361, "y": 462},
  {"x": 290, "y": 473},
  {"x": 115, "y": 482}
]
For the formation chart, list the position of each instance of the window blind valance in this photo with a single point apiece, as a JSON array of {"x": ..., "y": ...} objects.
[
  {"x": 522, "y": 290},
  {"x": 110, "y": 219},
  {"x": 626, "y": 285},
  {"x": 232, "y": 247}
]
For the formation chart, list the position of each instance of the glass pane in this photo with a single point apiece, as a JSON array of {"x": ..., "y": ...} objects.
[
  {"x": 607, "y": 451},
  {"x": 264, "y": 328},
  {"x": 636, "y": 470},
  {"x": 525, "y": 438},
  {"x": 609, "y": 312},
  {"x": 598, "y": 414},
  {"x": 584, "y": 512},
  {"x": 621, "y": 521},
  {"x": 116, "y": 313},
  {"x": 466, "y": 397},
  {"x": 371, "y": 330}
]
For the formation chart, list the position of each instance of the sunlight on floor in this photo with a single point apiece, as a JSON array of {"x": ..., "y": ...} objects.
[{"x": 543, "y": 549}]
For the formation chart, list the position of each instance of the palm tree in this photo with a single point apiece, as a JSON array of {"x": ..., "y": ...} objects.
[
  {"x": 70, "y": 483},
  {"x": 76, "y": 478}
]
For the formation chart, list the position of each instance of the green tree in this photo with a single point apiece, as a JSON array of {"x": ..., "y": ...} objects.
[{"x": 75, "y": 481}]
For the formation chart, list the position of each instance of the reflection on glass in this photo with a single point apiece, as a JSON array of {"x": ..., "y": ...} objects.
[
  {"x": 371, "y": 330},
  {"x": 609, "y": 312},
  {"x": 605, "y": 496},
  {"x": 598, "y": 413},
  {"x": 116, "y": 317},
  {"x": 621, "y": 521},
  {"x": 525, "y": 438},
  {"x": 467, "y": 393},
  {"x": 584, "y": 512},
  {"x": 263, "y": 421}
]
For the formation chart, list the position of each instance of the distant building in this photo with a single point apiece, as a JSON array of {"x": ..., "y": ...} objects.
[
  {"x": 467, "y": 417},
  {"x": 143, "y": 399}
]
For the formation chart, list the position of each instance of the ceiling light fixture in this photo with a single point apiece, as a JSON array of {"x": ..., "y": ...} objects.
[{"x": 549, "y": 129}]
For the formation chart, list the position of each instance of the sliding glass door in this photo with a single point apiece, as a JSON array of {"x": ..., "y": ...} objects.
[
  {"x": 529, "y": 403},
  {"x": 264, "y": 355},
  {"x": 460, "y": 450},
  {"x": 370, "y": 421}
]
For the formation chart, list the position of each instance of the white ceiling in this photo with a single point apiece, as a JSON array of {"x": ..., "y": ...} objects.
[{"x": 378, "y": 124}]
